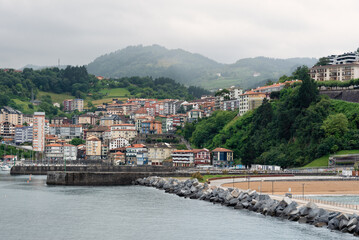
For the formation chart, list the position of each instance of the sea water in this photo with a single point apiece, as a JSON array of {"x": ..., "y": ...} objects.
[{"x": 29, "y": 209}]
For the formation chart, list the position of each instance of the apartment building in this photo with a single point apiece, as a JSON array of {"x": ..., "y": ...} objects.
[
  {"x": 8, "y": 114},
  {"x": 335, "y": 72},
  {"x": 137, "y": 154},
  {"x": 249, "y": 101},
  {"x": 38, "y": 142},
  {"x": 23, "y": 134},
  {"x": 60, "y": 152},
  {"x": 66, "y": 131},
  {"x": 73, "y": 104},
  {"x": 93, "y": 148},
  {"x": 159, "y": 152},
  {"x": 183, "y": 158}
]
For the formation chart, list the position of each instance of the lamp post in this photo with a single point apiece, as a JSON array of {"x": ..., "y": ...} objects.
[
  {"x": 260, "y": 192},
  {"x": 303, "y": 190},
  {"x": 272, "y": 187}
]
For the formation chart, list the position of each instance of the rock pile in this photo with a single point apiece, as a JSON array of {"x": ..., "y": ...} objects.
[{"x": 261, "y": 203}]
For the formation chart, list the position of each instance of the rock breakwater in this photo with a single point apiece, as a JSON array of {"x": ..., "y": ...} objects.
[{"x": 260, "y": 203}]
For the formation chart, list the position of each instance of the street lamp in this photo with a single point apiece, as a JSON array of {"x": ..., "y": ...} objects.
[{"x": 303, "y": 190}]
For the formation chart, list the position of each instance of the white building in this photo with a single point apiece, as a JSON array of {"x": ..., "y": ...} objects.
[
  {"x": 118, "y": 142},
  {"x": 345, "y": 58},
  {"x": 339, "y": 72},
  {"x": 58, "y": 153},
  {"x": 182, "y": 158}
]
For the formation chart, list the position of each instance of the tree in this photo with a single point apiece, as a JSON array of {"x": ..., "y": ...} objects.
[
  {"x": 323, "y": 61},
  {"x": 335, "y": 125},
  {"x": 77, "y": 141}
]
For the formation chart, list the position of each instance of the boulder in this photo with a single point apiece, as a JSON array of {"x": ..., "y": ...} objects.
[
  {"x": 352, "y": 222},
  {"x": 321, "y": 224},
  {"x": 263, "y": 197},
  {"x": 333, "y": 224},
  {"x": 291, "y": 207},
  {"x": 351, "y": 229},
  {"x": 311, "y": 205},
  {"x": 343, "y": 224},
  {"x": 302, "y": 220},
  {"x": 238, "y": 206},
  {"x": 342, "y": 216},
  {"x": 233, "y": 202},
  {"x": 245, "y": 204},
  {"x": 228, "y": 196},
  {"x": 333, "y": 215},
  {"x": 235, "y": 193},
  {"x": 303, "y": 211},
  {"x": 253, "y": 192}
]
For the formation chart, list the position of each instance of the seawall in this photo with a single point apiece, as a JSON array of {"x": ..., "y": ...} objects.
[
  {"x": 42, "y": 170},
  {"x": 103, "y": 178},
  {"x": 286, "y": 208}
]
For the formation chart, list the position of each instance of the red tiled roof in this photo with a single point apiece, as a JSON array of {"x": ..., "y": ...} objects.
[
  {"x": 221, "y": 150},
  {"x": 54, "y": 145},
  {"x": 183, "y": 151}
]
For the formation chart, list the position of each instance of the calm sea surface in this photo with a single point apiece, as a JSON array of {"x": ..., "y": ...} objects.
[{"x": 36, "y": 211}]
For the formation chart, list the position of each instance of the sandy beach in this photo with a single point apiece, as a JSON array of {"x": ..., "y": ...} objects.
[{"x": 296, "y": 187}]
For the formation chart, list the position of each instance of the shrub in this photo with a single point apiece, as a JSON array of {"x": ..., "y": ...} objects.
[
  {"x": 198, "y": 176},
  {"x": 224, "y": 172}
]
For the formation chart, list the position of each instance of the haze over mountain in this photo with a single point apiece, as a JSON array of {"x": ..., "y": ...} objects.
[{"x": 192, "y": 69}]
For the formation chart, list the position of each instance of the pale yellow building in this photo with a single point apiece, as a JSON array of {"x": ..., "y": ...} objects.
[
  {"x": 93, "y": 147},
  {"x": 8, "y": 114},
  {"x": 159, "y": 152},
  {"x": 127, "y": 134}
]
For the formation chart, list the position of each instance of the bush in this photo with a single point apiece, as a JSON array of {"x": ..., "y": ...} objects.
[
  {"x": 198, "y": 176},
  {"x": 224, "y": 172}
]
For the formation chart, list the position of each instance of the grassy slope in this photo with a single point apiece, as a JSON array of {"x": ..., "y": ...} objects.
[
  {"x": 116, "y": 92},
  {"x": 56, "y": 98},
  {"x": 25, "y": 106},
  {"x": 323, "y": 161}
]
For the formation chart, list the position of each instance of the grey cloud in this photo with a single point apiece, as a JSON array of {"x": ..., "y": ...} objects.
[{"x": 77, "y": 31}]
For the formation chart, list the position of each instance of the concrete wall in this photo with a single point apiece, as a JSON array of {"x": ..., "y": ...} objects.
[
  {"x": 345, "y": 95},
  {"x": 102, "y": 178},
  {"x": 42, "y": 170}
]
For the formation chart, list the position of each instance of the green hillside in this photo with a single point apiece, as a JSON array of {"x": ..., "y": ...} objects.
[
  {"x": 192, "y": 69},
  {"x": 290, "y": 131},
  {"x": 115, "y": 92},
  {"x": 324, "y": 161}
]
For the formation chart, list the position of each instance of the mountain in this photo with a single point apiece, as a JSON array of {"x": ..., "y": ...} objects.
[
  {"x": 192, "y": 69},
  {"x": 37, "y": 67}
]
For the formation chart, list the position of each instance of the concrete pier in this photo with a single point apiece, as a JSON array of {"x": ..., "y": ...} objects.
[
  {"x": 103, "y": 178},
  {"x": 42, "y": 170}
]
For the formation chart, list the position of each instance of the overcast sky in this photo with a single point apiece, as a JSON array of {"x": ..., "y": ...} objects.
[{"x": 77, "y": 31}]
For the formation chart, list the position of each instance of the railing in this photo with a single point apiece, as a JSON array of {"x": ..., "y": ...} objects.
[{"x": 332, "y": 203}]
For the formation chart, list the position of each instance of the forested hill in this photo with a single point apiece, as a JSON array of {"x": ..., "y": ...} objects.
[
  {"x": 17, "y": 87},
  {"x": 291, "y": 131},
  {"x": 192, "y": 69}
]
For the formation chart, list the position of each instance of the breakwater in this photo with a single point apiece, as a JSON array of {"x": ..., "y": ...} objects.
[
  {"x": 261, "y": 203},
  {"x": 104, "y": 178},
  {"x": 42, "y": 170}
]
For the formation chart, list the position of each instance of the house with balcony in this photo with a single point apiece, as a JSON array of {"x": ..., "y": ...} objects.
[
  {"x": 183, "y": 158},
  {"x": 202, "y": 157},
  {"x": 222, "y": 157},
  {"x": 137, "y": 154}
]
